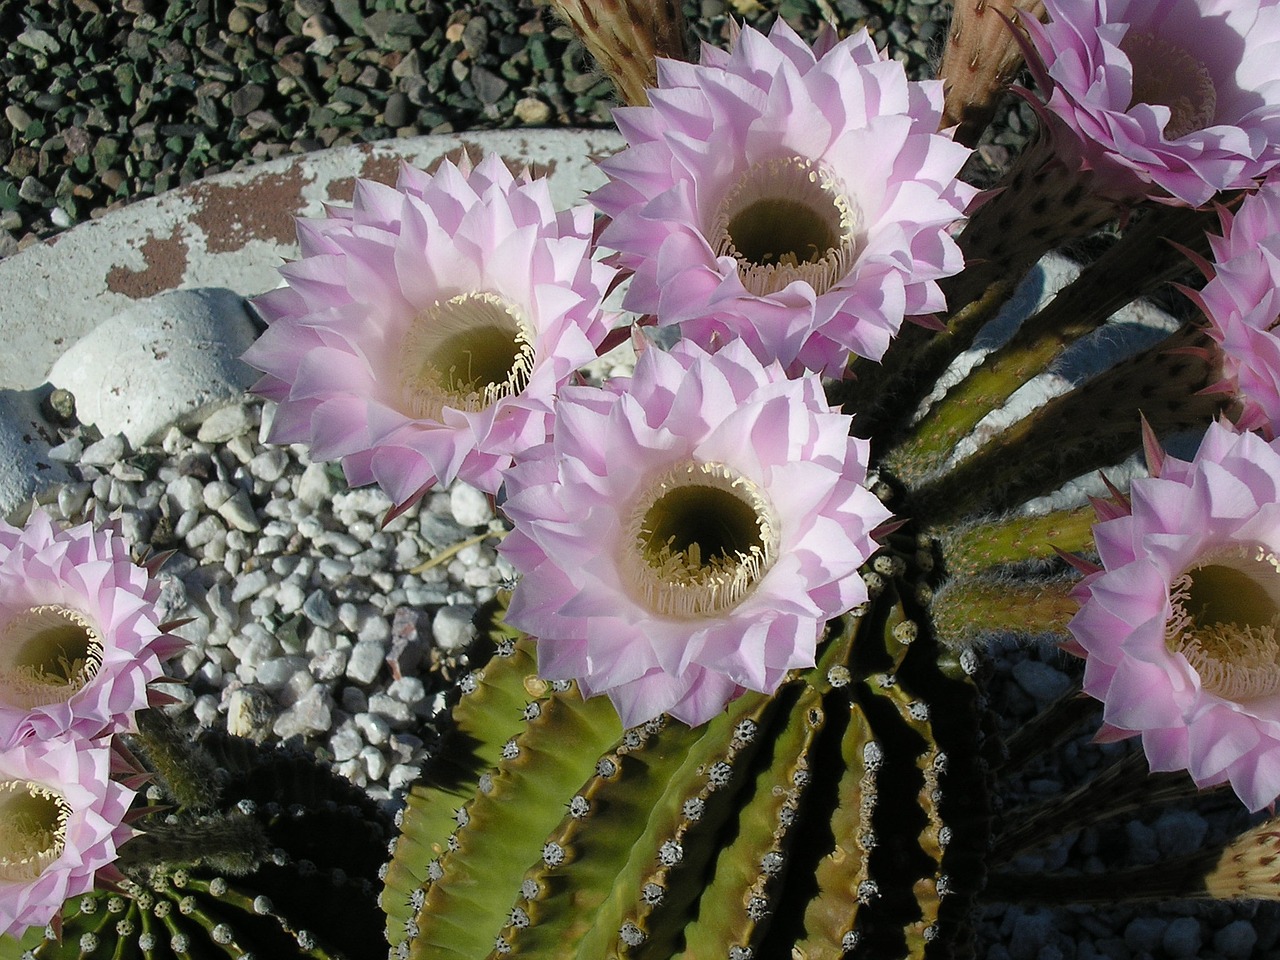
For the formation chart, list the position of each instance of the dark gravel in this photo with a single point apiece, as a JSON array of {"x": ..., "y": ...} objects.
[{"x": 107, "y": 101}]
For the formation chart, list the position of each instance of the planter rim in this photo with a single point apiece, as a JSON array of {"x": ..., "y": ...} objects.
[{"x": 232, "y": 230}]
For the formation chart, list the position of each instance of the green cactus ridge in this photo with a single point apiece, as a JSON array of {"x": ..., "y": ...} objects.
[{"x": 844, "y": 815}]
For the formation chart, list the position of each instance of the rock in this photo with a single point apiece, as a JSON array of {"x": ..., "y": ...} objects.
[
  {"x": 329, "y": 664},
  {"x": 1180, "y": 832},
  {"x": 396, "y": 112},
  {"x": 366, "y": 660},
  {"x": 25, "y": 464},
  {"x": 172, "y": 358},
  {"x": 311, "y": 714},
  {"x": 1182, "y": 938},
  {"x": 1031, "y": 933},
  {"x": 532, "y": 111},
  {"x": 1144, "y": 933},
  {"x": 250, "y": 713},
  {"x": 346, "y": 743},
  {"x": 314, "y": 486},
  {"x": 1235, "y": 941},
  {"x": 318, "y": 609},
  {"x": 1041, "y": 680},
  {"x": 453, "y": 627},
  {"x": 221, "y": 425},
  {"x": 374, "y": 728},
  {"x": 469, "y": 506},
  {"x": 247, "y": 99}
]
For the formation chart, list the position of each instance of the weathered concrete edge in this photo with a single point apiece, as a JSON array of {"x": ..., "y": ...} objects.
[{"x": 230, "y": 230}]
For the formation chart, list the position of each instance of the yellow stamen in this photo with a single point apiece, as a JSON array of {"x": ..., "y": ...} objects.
[
  {"x": 467, "y": 352},
  {"x": 47, "y": 654},
  {"x": 698, "y": 541},
  {"x": 787, "y": 220},
  {"x": 1226, "y": 613},
  {"x": 33, "y": 828}
]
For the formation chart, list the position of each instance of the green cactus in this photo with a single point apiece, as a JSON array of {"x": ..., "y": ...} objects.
[{"x": 832, "y": 818}]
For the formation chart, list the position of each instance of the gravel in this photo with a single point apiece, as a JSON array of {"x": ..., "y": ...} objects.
[
  {"x": 108, "y": 102},
  {"x": 309, "y": 618}
]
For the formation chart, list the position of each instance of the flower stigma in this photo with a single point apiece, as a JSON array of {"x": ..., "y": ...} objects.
[
  {"x": 1166, "y": 74},
  {"x": 467, "y": 352},
  {"x": 701, "y": 537},
  {"x": 33, "y": 829},
  {"x": 47, "y": 654},
  {"x": 1226, "y": 611},
  {"x": 787, "y": 220}
]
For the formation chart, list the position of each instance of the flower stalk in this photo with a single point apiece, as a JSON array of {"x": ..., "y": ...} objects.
[
  {"x": 971, "y": 608},
  {"x": 971, "y": 548}
]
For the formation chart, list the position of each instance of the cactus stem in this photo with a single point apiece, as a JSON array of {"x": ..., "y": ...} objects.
[
  {"x": 187, "y": 772},
  {"x": 971, "y": 607},
  {"x": 968, "y": 549}
]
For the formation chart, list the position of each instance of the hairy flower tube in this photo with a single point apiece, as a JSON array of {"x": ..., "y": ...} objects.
[
  {"x": 422, "y": 334},
  {"x": 79, "y": 637},
  {"x": 1242, "y": 303},
  {"x": 1169, "y": 98},
  {"x": 61, "y": 820},
  {"x": 687, "y": 533},
  {"x": 1179, "y": 627},
  {"x": 796, "y": 198}
]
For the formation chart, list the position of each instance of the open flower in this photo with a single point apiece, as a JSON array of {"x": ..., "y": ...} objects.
[
  {"x": 687, "y": 533},
  {"x": 61, "y": 820},
  {"x": 79, "y": 637},
  {"x": 1173, "y": 98},
  {"x": 798, "y": 199},
  {"x": 423, "y": 333},
  {"x": 1179, "y": 627},
  {"x": 1242, "y": 303}
]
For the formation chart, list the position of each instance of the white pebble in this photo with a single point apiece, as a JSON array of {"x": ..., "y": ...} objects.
[
  {"x": 453, "y": 628},
  {"x": 469, "y": 506},
  {"x": 269, "y": 465},
  {"x": 238, "y": 512},
  {"x": 374, "y": 728},
  {"x": 314, "y": 487},
  {"x": 374, "y": 762},
  {"x": 366, "y": 661},
  {"x": 221, "y": 425},
  {"x": 249, "y": 585}
]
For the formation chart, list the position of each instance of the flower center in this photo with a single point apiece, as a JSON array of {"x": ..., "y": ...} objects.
[
  {"x": 699, "y": 540},
  {"x": 467, "y": 352},
  {"x": 787, "y": 220},
  {"x": 33, "y": 828},
  {"x": 1226, "y": 612},
  {"x": 1166, "y": 74},
  {"x": 47, "y": 653}
]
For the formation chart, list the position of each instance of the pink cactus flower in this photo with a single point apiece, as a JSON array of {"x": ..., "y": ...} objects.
[
  {"x": 686, "y": 534},
  {"x": 424, "y": 332},
  {"x": 1242, "y": 302},
  {"x": 1177, "y": 99},
  {"x": 799, "y": 199},
  {"x": 62, "y": 821},
  {"x": 79, "y": 637},
  {"x": 1179, "y": 626}
]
